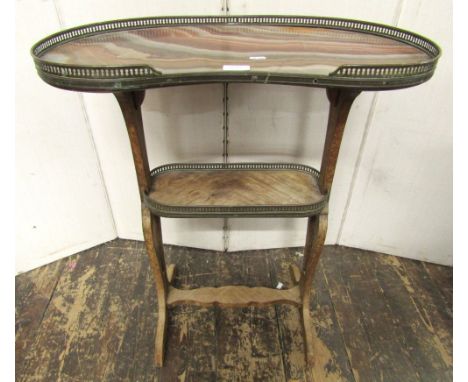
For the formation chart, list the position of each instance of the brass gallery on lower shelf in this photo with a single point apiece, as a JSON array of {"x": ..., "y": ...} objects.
[{"x": 235, "y": 190}]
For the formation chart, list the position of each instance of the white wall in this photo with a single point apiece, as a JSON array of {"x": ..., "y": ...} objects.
[
  {"x": 61, "y": 204},
  {"x": 396, "y": 150},
  {"x": 401, "y": 200}
]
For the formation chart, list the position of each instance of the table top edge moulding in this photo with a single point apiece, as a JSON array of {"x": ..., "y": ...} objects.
[{"x": 380, "y": 70}]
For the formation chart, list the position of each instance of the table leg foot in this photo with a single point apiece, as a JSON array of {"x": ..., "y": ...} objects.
[
  {"x": 170, "y": 273},
  {"x": 160, "y": 337},
  {"x": 296, "y": 273},
  {"x": 308, "y": 336}
]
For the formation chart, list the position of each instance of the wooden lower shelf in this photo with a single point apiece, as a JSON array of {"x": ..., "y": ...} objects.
[{"x": 235, "y": 189}]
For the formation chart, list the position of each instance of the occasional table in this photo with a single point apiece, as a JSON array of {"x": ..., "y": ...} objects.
[{"x": 126, "y": 57}]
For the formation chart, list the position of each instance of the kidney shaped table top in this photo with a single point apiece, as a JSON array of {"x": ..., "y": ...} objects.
[{"x": 317, "y": 51}]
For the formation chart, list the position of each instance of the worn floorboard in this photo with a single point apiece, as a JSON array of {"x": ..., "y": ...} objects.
[
  {"x": 331, "y": 361},
  {"x": 34, "y": 291},
  {"x": 191, "y": 350},
  {"x": 248, "y": 347},
  {"x": 92, "y": 317}
]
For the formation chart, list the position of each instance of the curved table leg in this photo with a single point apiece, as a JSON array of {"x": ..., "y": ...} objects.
[
  {"x": 341, "y": 101},
  {"x": 130, "y": 104},
  {"x": 154, "y": 248},
  {"x": 316, "y": 233}
]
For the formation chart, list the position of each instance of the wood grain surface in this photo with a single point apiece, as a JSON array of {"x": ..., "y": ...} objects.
[
  {"x": 130, "y": 104},
  {"x": 91, "y": 317},
  {"x": 235, "y": 188},
  {"x": 234, "y": 296}
]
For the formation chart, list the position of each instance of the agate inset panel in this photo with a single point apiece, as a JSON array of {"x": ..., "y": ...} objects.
[{"x": 235, "y": 47}]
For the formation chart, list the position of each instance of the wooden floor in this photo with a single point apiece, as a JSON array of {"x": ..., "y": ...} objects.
[{"x": 91, "y": 317}]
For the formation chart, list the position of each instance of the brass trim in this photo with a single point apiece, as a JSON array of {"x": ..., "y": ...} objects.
[
  {"x": 234, "y": 211},
  {"x": 111, "y": 79}
]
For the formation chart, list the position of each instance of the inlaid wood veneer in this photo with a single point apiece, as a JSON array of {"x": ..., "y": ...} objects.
[{"x": 235, "y": 189}]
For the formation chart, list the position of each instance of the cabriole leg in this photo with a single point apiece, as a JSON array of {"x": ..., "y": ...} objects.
[
  {"x": 316, "y": 233},
  {"x": 130, "y": 104},
  {"x": 341, "y": 101},
  {"x": 154, "y": 248}
]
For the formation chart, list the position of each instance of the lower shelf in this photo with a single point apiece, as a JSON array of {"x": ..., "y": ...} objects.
[{"x": 235, "y": 190}]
